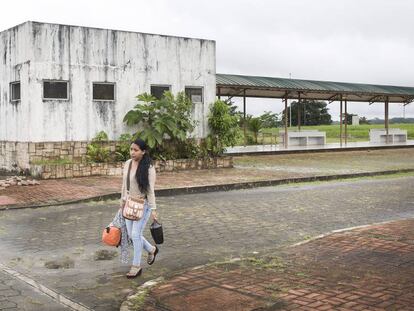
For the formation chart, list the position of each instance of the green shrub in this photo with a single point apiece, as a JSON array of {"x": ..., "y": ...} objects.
[
  {"x": 96, "y": 151},
  {"x": 168, "y": 118},
  {"x": 122, "y": 147},
  {"x": 165, "y": 124},
  {"x": 224, "y": 128}
]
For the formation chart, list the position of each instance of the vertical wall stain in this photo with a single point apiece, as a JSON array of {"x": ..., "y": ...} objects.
[
  {"x": 69, "y": 106},
  {"x": 114, "y": 46}
]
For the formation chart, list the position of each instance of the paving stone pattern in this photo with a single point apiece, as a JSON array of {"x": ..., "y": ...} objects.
[
  {"x": 365, "y": 269},
  {"x": 199, "y": 228},
  {"x": 248, "y": 169},
  {"x": 15, "y": 295}
]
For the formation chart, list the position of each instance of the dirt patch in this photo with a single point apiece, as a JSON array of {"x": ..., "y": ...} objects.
[
  {"x": 104, "y": 254},
  {"x": 63, "y": 263}
]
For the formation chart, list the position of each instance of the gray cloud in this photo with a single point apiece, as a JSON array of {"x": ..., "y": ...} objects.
[{"x": 367, "y": 41}]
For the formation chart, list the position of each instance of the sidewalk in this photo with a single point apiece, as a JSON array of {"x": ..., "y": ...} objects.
[
  {"x": 249, "y": 171},
  {"x": 370, "y": 268}
]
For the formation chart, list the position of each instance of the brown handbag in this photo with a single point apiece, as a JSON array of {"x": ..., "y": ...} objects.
[{"x": 134, "y": 205}]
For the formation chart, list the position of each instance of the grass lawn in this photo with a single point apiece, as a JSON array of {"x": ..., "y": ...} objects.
[{"x": 355, "y": 133}]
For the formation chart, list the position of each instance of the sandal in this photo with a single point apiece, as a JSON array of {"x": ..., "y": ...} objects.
[
  {"x": 151, "y": 256},
  {"x": 134, "y": 272}
]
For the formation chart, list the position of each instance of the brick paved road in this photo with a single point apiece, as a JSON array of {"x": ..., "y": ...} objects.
[
  {"x": 369, "y": 268},
  {"x": 199, "y": 228}
]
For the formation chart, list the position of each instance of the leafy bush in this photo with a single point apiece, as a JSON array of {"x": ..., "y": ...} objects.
[
  {"x": 224, "y": 129},
  {"x": 123, "y": 146},
  {"x": 160, "y": 119},
  {"x": 163, "y": 123},
  {"x": 96, "y": 150}
]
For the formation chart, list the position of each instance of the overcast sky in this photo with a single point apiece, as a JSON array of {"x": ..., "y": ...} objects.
[{"x": 367, "y": 41}]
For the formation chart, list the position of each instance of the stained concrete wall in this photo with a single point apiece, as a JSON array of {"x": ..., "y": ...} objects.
[{"x": 34, "y": 52}]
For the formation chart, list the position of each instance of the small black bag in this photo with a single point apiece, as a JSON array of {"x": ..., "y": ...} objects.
[{"x": 157, "y": 232}]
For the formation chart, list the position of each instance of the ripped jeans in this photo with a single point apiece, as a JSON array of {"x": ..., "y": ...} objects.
[{"x": 135, "y": 230}]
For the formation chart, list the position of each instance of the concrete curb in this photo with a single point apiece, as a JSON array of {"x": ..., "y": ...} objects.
[
  {"x": 324, "y": 235},
  {"x": 338, "y": 149},
  {"x": 221, "y": 187},
  {"x": 149, "y": 284},
  {"x": 142, "y": 290},
  {"x": 42, "y": 289}
]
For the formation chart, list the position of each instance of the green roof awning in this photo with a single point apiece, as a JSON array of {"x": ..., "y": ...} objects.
[{"x": 268, "y": 87}]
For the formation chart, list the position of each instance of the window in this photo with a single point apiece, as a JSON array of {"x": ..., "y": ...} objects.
[
  {"x": 103, "y": 91},
  {"x": 195, "y": 94},
  {"x": 15, "y": 91},
  {"x": 55, "y": 89},
  {"x": 158, "y": 90}
]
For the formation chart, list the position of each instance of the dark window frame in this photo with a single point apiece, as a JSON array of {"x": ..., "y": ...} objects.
[
  {"x": 159, "y": 85},
  {"x": 104, "y": 100},
  {"x": 15, "y": 100},
  {"x": 195, "y": 87},
  {"x": 54, "y": 81}
]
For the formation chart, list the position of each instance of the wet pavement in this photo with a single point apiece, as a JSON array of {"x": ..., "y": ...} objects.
[
  {"x": 248, "y": 170},
  {"x": 369, "y": 268},
  {"x": 57, "y": 246}
]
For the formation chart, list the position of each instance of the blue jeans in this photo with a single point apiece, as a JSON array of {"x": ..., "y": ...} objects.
[{"x": 135, "y": 229}]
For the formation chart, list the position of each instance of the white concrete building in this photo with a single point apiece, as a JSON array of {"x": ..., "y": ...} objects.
[{"x": 66, "y": 83}]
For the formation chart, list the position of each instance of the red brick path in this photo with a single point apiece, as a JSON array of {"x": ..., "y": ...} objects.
[
  {"x": 364, "y": 269},
  {"x": 61, "y": 190}
]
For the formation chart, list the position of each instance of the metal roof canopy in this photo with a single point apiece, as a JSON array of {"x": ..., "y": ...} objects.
[{"x": 268, "y": 87}]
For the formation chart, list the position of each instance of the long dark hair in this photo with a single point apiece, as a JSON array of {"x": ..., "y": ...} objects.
[{"x": 142, "y": 171}]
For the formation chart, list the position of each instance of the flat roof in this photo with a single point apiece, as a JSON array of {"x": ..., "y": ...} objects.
[
  {"x": 105, "y": 29},
  {"x": 271, "y": 87}
]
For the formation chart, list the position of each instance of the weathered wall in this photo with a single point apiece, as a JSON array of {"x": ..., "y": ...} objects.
[
  {"x": 82, "y": 56},
  {"x": 15, "y": 63},
  {"x": 14, "y": 156}
]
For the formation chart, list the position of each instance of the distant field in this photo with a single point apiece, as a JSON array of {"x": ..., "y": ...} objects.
[{"x": 355, "y": 133}]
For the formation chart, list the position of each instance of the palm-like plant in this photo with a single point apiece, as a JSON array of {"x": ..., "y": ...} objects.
[
  {"x": 255, "y": 125},
  {"x": 159, "y": 119}
]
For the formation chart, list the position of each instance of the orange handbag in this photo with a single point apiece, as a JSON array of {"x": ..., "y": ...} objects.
[{"x": 111, "y": 236}]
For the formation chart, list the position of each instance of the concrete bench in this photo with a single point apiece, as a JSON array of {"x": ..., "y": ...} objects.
[
  {"x": 303, "y": 138},
  {"x": 394, "y": 136}
]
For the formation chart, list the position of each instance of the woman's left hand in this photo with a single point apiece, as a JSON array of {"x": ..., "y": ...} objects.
[{"x": 154, "y": 215}]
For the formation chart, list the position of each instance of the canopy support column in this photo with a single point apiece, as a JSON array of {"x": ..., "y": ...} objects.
[
  {"x": 386, "y": 117},
  {"x": 244, "y": 117},
  {"x": 346, "y": 121},
  {"x": 299, "y": 114},
  {"x": 218, "y": 93},
  {"x": 340, "y": 122},
  {"x": 286, "y": 124}
]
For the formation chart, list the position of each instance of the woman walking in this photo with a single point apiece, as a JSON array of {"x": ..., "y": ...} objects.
[{"x": 141, "y": 174}]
